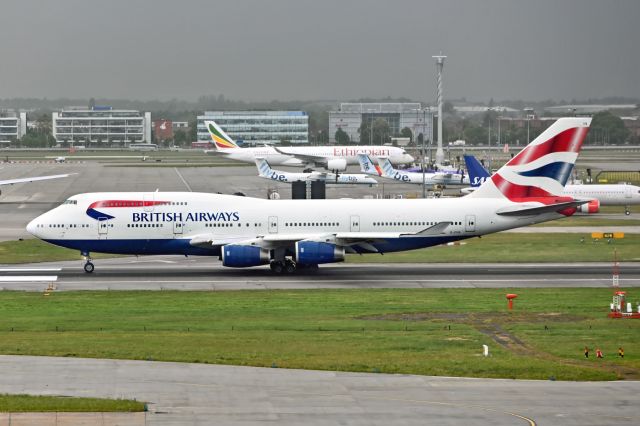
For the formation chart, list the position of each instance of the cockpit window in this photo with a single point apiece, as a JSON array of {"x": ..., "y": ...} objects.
[{"x": 71, "y": 202}]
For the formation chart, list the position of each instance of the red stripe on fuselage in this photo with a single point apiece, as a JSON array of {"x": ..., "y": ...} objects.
[
  {"x": 569, "y": 140},
  {"x": 126, "y": 203}
]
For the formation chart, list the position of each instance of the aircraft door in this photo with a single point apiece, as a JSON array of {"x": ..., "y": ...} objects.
[
  {"x": 103, "y": 227},
  {"x": 177, "y": 228},
  {"x": 148, "y": 201},
  {"x": 273, "y": 224},
  {"x": 355, "y": 224},
  {"x": 470, "y": 223},
  {"x": 627, "y": 191}
]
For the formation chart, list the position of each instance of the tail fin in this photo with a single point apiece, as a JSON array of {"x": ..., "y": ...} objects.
[
  {"x": 264, "y": 169},
  {"x": 543, "y": 167},
  {"x": 386, "y": 166},
  {"x": 477, "y": 173},
  {"x": 219, "y": 137},
  {"x": 367, "y": 166}
]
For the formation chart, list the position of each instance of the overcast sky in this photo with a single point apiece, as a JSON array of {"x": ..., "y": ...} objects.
[{"x": 319, "y": 49}]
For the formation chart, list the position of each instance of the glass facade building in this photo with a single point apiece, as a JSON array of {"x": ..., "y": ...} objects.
[
  {"x": 103, "y": 126},
  {"x": 13, "y": 126},
  {"x": 258, "y": 127},
  {"x": 350, "y": 116}
]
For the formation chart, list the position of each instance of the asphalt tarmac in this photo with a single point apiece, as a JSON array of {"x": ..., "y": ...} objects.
[
  {"x": 207, "y": 274},
  {"x": 180, "y": 393}
]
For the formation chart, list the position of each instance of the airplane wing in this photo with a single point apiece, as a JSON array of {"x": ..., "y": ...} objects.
[
  {"x": 307, "y": 158},
  {"x": 344, "y": 239},
  {"x": 34, "y": 179}
]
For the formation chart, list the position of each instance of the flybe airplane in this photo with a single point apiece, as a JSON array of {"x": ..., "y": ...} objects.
[
  {"x": 265, "y": 171},
  {"x": 599, "y": 194},
  {"x": 290, "y": 234},
  {"x": 33, "y": 179},
  {"x": 334, "y": 158},
  {"x": 386, "y": 170}
]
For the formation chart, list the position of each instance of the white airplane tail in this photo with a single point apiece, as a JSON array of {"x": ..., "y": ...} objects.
[
  {"x": 540, "y": 171},
  {"x": 264, "y": 169},
  {"x": 220, "y": 139},
  {"x": 386, "y": 167},
  {"x": 367, "y": 166}
]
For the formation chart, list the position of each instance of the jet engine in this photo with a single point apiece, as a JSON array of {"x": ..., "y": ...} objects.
[
  {"x": 337, "y": 164},
  {"x": 591, "y": 207},
  {"x": 314, "y": 253},
  {"x": 238, "y": 256}
]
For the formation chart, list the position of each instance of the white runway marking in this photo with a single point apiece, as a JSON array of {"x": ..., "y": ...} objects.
[
  {"x": 26, "y": 278},
  {"x": 30, "y": 269},
  {"x": 181, "y": 178}
]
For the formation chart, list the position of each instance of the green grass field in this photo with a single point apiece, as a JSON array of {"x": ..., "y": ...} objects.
[
  {"x": 504, "y": 247},
  {"x": 514, "y": 247},
  {"x": 417, "y": 331},
  {"x": 29, "y": 403}
]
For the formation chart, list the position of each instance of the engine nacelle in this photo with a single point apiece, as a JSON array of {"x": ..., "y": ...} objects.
[
  {"x": 237, "y": 256},
  {"x": 314, "y": 253},
  {"x": 591, "y": 207},
  {"x": 338, "y": 164}
]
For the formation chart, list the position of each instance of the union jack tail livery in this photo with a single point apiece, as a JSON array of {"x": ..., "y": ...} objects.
[
  {"x": 540, "y": 171},
  {"x": 219, "y": 137}
]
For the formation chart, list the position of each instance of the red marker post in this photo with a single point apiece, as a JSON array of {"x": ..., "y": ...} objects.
[{"x": 510, "y": 298}]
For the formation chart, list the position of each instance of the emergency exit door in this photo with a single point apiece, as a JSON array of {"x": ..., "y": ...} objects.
[{"x": 470, "y": 223}]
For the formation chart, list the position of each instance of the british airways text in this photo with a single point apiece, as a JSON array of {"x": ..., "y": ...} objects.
[{"x": 189, "y": 217}]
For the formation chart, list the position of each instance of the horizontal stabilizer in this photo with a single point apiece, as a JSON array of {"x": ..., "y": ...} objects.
[{"x": 527, "y": 209}]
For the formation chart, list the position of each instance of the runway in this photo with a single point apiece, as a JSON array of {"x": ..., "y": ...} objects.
[
  {"x": 181, "y": 393},
  {"x": 206, "y": 274}
]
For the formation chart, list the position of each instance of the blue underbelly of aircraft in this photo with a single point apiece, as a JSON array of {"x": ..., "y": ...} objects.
[{"x": 182, "y": 246}]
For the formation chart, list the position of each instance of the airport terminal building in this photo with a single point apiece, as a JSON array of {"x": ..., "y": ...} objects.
[
  {"x": 258, "y": 127},
  {"x": 13, "y": 126},
  {"x": 350, "y": 116},
  {"x": 101, "y": 125}
]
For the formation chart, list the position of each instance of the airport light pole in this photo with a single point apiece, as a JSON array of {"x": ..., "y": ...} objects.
[
  {"x": 424, "y": 180},
  {"x": 439, "y": 65}
]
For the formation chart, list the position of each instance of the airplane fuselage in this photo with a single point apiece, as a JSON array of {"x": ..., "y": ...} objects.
[
  {"x": 606, "y": 194},
  {"x": 275, "y": 158},
  {"x": 169, "y": 222}
]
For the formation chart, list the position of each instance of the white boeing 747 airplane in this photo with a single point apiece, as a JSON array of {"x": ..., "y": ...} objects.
[
  {"x": 335, "y": 158},
  {"x": 265, "y": 171},
  {"x": 287, "y": 234}
]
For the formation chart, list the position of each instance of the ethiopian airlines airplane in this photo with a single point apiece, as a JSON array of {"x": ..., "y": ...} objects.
[
  {"x": 599, "y": 194},
  {"x": 266, "y": 172},
  {"x": 330, "y": 157},
  {"x": 290, "y": 234}
]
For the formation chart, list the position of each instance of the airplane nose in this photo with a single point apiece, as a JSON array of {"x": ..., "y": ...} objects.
[{"x": 32, "y": 227}]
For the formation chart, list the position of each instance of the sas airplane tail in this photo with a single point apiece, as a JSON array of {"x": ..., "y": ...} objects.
[
  {"x": 221, "y": 140},
  {"x": 477, "y": 173},
  {"x": 540, "y": 171},
  {"x": 367, "y": 166}
]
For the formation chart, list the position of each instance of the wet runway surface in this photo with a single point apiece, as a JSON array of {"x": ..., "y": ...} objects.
[{"x": 203, "y": 273}]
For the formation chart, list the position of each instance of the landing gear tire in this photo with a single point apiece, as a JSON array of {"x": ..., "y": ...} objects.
[
  {"x": 289, "y": 266},
  {"x": 627, "y": 212},
  {"x": 88, "y": 267},
  {"x": 276, "y": 266}
]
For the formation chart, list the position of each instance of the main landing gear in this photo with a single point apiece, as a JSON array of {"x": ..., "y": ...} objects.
[
  {"x": 88, "y": 265},
  {"x": 289, "y": 266},
  {"x": 627, "y": 211}
]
